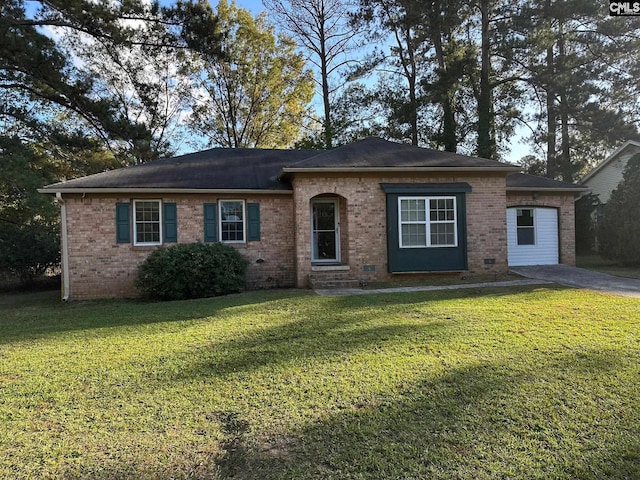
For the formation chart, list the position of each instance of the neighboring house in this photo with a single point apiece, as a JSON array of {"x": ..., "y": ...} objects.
[
  {"x": 605, "y": 177},
  {"x": 369, "y": 211}
]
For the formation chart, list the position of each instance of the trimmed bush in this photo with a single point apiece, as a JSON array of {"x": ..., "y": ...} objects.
[{"x": 195, "y": 270}]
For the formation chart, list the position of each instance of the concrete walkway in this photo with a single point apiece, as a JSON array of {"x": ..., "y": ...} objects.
[
  {"x": 336, "y": 292},
  {"x": 536, "y": 275},
  {"x": 581, "y": 278}
]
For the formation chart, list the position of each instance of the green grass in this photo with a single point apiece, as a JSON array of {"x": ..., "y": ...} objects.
[
  {"x": 594, "y": 262},
  {"x": 536, "y": 383}
]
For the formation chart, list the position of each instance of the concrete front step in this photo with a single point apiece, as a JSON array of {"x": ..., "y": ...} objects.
[
  {"x": 317, "y": 284},
  {"x": 333, "y": 279}
]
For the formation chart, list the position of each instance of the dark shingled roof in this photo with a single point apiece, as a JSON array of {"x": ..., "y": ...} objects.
[
  {"x": 375, "y": 152},
  {"x": 261, "y": 169},
  {"x": 217, "y": 168},
  {"x": 523, "y": 181}
]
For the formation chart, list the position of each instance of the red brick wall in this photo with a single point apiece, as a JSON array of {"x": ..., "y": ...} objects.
[
  {"x": 566, "y": 217},
  {"x": 366, "y": 235},
  {"x": 99, "y": 267}
]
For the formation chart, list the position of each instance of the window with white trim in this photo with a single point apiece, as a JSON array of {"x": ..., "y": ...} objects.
[
  {"x": 232, "y": 225},
  {"x": 427, "y": 222},
  {"x": 525, "y": 226},
  {"x": 147, "y": 225}
]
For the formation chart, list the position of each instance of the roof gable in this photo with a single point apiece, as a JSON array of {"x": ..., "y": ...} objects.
[
  {"x": 375, "y": 153},
  {"x": 628, "y": 145},
  {"x": 606, "y": 177}
]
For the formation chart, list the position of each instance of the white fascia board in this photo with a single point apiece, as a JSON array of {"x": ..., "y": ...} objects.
[{"x": 506, "y": 168}]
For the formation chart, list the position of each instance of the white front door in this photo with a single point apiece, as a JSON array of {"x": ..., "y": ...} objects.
[{"x": 325, "y": 235}]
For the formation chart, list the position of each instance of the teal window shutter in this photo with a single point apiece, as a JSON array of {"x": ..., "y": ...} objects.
[
  {"x": 210, "y": 222},
  {"x": 123, "y": 228},
  {"x": 170, "y": 218},
  {"x": 253, "y": 221}
]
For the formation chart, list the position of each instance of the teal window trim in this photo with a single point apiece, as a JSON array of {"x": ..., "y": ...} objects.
[
  {"x": 425, "y": 259},
  {"x": 253, "y": 222},
  {"x": 123, "y": 222},
  {"x": 424, "y": 189},
  {"x": 170, "y": 218},
  {"x": 210, "y": 222}
]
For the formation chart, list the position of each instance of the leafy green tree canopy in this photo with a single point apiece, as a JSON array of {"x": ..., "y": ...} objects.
[
  {"x": 257, "y": 94},
  {"x": 40, "y": 65}
]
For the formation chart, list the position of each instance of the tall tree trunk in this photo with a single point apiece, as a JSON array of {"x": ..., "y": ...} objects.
[
  {"x": 552, "y": 168},
  {"x": 564, "y": 164},
  {"x": 413, "y": 110},
  {"x": 449, "y": 137},
  {"x": 406, "y": 55},
  {"x": 324, "y": 73},
  {"x": 411, "y": 74},
  {"x": 486, "y": 147}
]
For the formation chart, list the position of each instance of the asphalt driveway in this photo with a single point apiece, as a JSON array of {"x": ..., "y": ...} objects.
[{"x": 581, "y": 278}]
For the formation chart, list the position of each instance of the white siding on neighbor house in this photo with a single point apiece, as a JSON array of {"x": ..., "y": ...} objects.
[
  {"x": 545, "y": 250},
  {"x": 605, "y": 178}
]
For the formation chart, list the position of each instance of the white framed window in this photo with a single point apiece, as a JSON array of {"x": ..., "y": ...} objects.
[
  {"x": 525, "y": 226},
  {"x": 147, "y": 224},
  {"x": 427, "y": 222},
  {"x": 232, "y": 221}
]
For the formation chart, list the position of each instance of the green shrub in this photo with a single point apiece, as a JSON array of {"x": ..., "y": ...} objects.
[
  {"x": 193, "y": 270},
  {"x": 619, "y": 231}
]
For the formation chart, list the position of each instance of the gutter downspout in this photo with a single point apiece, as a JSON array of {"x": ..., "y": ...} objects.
[{"x": 64, "y": 247}]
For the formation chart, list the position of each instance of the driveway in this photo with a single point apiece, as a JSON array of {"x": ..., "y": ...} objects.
[{"x": 581, "y": 278}]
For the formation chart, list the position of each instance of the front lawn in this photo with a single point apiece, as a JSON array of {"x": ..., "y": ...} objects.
[
  {"x": 495, "y": 383},
  {"x": 595, "y": 262}
]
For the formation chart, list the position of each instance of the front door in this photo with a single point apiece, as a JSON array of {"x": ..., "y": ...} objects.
[{"x": 325, "y": 237}]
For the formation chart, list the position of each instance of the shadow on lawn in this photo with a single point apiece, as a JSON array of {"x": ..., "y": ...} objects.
[
  {"x": 327, "y": 328},
  {"x": 485, "y": 421},
  {"x": 34, "y": 315},
  {"x": 332, "y": 326}
]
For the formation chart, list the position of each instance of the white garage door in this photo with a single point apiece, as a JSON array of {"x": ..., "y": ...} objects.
[{"x": 532, "y": 236}]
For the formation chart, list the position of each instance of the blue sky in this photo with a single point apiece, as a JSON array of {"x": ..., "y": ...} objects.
[
  {"x": 254, "y": 6},
  {"x": 518, "y": 149}
]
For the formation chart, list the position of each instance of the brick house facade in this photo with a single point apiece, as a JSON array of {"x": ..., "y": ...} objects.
[{"x": 370, "y": 211}]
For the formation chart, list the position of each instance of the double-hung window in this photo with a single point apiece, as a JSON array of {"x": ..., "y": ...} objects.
[
  {"x": 427, "y": 222},
  {"x": 147, "y": 222},
  {"x": 232, "y": 221}
]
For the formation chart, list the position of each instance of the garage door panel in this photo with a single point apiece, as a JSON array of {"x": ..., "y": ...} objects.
[{"x": 545, "y": 249}]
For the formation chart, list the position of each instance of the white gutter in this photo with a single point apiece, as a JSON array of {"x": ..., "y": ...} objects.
[
  {"x": 64, "y": 248},
  {"x": 506, "y": 168}
]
